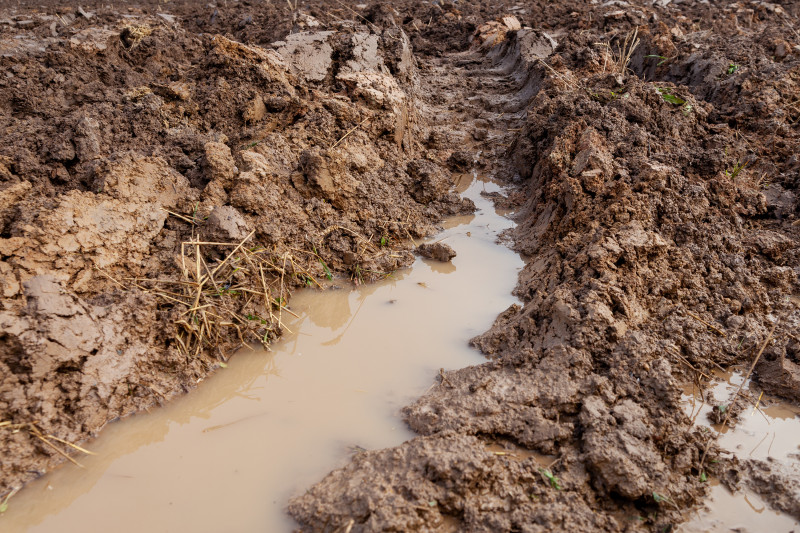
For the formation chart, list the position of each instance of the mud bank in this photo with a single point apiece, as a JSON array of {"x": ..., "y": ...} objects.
[
  {"x": 762, "y": 448},
  {"x": 653, "y": 150}
]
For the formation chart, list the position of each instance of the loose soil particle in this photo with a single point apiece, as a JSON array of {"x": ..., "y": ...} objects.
[{"x": 657, "y": 202}]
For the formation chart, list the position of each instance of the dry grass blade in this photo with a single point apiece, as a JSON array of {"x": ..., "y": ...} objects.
[
  {"x": 558, "y": 75},
  {"x": 34, "y": 431},
  {"x": 359, "y": 15},
  {"x": 75, "y": 446},
  {"x": 57, "y": 449},
  {"x": 683, "y": 360},
  {"x": 182, "y": 217},
  {"x": 707, "y": 324},
  {"x": 626, "y": 51},
  {"x": 233, "y": 252},
  {"x": 226, "y": 294},
  {"x": 622, "y": 58}
]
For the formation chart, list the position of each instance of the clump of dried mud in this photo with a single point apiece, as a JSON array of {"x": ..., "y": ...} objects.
[{"x": 655, "y": 189}]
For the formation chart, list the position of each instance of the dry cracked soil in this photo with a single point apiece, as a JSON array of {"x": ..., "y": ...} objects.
[{"x": 169, "y": 172}]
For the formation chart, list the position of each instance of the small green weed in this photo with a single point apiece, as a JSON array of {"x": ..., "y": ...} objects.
[
  {"x": 4, "y": 503},
  {"x": 733, "y": 67},
  {"x": 305, "y": 279},
  {"x": 255, "y": 317},
  {"x": 667, "y": 95},
  {"x": 662, "y": 58},
  {"x": 550, "y": 477},
  {"x": 328, "y": 273},
  {"x": 660, "y": 498},
  {"x": 226, "y": 289},
  {"x": 358, "y": 275},
  {"x": 737, "y": 167}
]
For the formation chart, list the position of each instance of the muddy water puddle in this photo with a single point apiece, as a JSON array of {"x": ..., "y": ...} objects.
[
  {"x": 766, "y": 428},
  {"x": 229, "y": 455}
]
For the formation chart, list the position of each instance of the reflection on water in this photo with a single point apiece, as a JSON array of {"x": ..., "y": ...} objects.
[
  {"x": 765, "y": 428},
  {"x": 742, "y": 512},
  {"x": 772, "y": 429},
  {"x": 228, "y": 456}
]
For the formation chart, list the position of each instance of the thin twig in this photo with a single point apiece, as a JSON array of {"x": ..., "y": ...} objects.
[
  {"x": 351, "y": 130},
  {"x": 707, "y": 324}
]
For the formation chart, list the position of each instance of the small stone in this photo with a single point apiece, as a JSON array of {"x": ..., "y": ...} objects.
[
  {"x": 782, "y": 49},
  {"x": 218, "y": 161},
  {"x": 437, "y": 251},
  {"x": 179, "y": 90}
]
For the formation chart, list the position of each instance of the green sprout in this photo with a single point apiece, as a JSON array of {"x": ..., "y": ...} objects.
[
  {"x": 328, "y": 273},
  {"x": 737, "y": 167},
  {"x": 358, "y": 275},
  {"x": 667, "y": 95},
  {"x": 550, "y": 477},
  {"x": 662, "y": 58},
  {"x": 659, "y": 498},
  {"x": 255, "y": 317},
  {"x": 733, "y": 67}
]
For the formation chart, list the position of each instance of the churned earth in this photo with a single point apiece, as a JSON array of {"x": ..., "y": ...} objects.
[{"x": 169, "y": 172}]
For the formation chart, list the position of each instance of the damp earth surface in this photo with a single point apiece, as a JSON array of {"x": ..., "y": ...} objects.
[{"x": 174, "y": 176}]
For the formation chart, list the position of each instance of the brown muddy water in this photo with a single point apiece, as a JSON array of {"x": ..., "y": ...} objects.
[
  {"x": 770, "y": 430},
  {"x": 229, "y": 455}
]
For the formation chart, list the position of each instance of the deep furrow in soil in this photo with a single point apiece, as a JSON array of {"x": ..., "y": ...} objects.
[{"x": 616, "y": 297}]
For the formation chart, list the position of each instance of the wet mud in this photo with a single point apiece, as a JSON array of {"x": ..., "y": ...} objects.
[{"x": 651, "y": 150}]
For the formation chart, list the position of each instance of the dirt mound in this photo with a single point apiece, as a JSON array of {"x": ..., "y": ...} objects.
[{"x": 159, "y": 174}]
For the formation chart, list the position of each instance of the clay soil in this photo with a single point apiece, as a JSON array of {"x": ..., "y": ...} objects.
[{"x": 170, "y": 172}]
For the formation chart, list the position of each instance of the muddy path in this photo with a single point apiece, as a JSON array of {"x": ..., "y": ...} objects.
[{"x": 168, "y": 177}]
